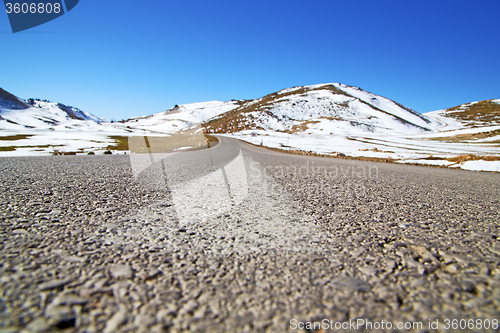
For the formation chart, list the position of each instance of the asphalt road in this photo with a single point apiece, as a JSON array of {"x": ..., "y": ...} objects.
[{"x": 242, "y": 239}]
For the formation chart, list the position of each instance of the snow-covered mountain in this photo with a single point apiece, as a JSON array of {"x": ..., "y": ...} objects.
[
  {"x": 332, "y": 108},
  {"x": 180, "y": 117},
  {"x": 19, "y": 115},
  {"x": 340, "y": 120},
  {"x": 331, "y": 119},
  {"x": 36, "y": 127},
  {"x": 11, "y": 102}
]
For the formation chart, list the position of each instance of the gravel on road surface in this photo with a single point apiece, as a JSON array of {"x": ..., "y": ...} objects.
[{"x": 87, "y": 246}]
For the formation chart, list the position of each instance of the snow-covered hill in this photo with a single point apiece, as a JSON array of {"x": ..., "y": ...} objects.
[
  {"x": 335, "y": 119},
  {"x": 331, "y": 119},
  {"x": 475, "y": 114},
  {"x": 180, "y": 117},
  {"x": 19, "y": 115},
  {"x": 326, "y": 108},
  {"x": 47, "y": 116},
  {"x": 36, "y": 127}
]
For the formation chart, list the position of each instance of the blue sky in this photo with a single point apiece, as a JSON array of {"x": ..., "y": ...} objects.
[{"x": 119, "y": 59}]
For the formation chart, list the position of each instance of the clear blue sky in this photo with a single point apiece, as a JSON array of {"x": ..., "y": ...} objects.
[{"x": 119, "y": 59}]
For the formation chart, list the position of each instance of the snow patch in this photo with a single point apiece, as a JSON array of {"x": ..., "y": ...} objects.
[{"x": 481, "y": 165}]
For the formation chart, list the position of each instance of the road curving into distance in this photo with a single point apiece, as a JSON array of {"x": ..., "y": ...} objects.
[{"x": 242, "y": 239}]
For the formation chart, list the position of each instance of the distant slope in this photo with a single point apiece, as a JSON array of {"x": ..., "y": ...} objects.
[
  {"x": 180, "y": 117},
  {"x": 42, "y": 115},
  {"x": 19, "y": 115},
  {"x": 475, "y": 122},
  {"x": 75, "y": 113},
  {"x": 481, "y": 113},
  {"x": 36, "y": 127},
  {"x": 332, "y": 108},
  {"x": 11, "y": 102}
]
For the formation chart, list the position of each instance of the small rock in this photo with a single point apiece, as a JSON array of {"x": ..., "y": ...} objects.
[
  {"x": 121, "y": 272},
  {"x": 418, "y": 283},
  {"x": 390, "y": 265},
  {"x": 476, "y": 302},
  {"x": 356, "y": 253},
  {"x": 468, "y": 286},
  {"x": 353, "y": 283},
  {"x": 37, "y": 326},
  {"x": 131, "y": 256},
  {"x": 62, "y": 316},
  {"x": 190, "y": 306},
  {"x": 54, "y": 284},
  {"x": 74, "y": 259},
  {"x": 171, "y": 310},
  {"x": 459, "y": 249},
  {"x": 384, "y": 293},
  {"x": 144, "y": 320},
  {"x": 9, "y": 329},
  {"x": 368, "y": 270},
  {"x": 69, "y": 299},
  {"x": 151, "y": 274},
  {"x": 107, "y": 210},
  {"x": 358, "y": 238},
  {"x": 452, "y": 269},
  {"x": 118, "y": 319}
]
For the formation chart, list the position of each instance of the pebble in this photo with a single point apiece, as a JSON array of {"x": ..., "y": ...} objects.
[
  {"x": 54, "y": 284},
  {"x": 116, "y": 320},
  {"x": 352, "y": 283},
  {"x": 38, "y": 325},
  {"x": 60, "y": 314},
  {"x": 69, "y": 299},
  {"x": 121, "y": 271}
]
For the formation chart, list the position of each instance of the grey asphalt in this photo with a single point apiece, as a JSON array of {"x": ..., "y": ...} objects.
[{"x": 88, "y": 246}]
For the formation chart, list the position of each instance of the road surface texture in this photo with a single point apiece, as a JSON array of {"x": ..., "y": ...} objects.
[{"x": 242, "y": 239}]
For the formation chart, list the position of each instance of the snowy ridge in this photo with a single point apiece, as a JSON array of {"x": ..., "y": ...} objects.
[
  {"x": 335, "y": 119},
  {"x": 180, "y": 117},
  {"x": 331, "y": 119},
  {"x": 46, "y": 116},
  {"x": 75, "y": 113},
  {"x": 35, "y": 127},
  {"x": 385, "y": 104},
  {"x": 479, "y": 113},
  {"x": 9, "y": 101},
  {"x": 337, "y": 107}
]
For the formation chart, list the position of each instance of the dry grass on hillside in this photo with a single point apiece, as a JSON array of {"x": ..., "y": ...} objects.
[
  {"x": 15, "y": 137},
  {"x": 470, "y": 157},
  {"x": 469, "y": 137},
  {"x": 241, "y": 119},
  {"x": 483, "y": 111}
]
